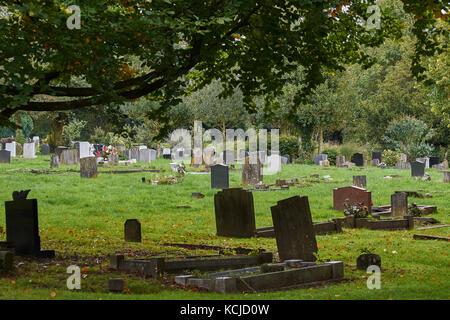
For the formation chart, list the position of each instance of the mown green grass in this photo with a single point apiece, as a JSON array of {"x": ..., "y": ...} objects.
[{"x": 82, "y": 220}]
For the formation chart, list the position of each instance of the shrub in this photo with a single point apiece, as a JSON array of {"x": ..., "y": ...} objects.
[
  {"x": 289, "y": 145},
  {"x": 390, "y": 158},
  {"x": 332, "y": 154},
  {"x": 72, "y": 131}
]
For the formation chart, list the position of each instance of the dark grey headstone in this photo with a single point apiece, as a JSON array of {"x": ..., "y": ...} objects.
[
  {"x": 5, "y": 156},
  {"x": 366, "y": 260},
  {"x": 434, "y": 161},
  {"x": 377, "y": 155},
  {"x": 132, "y": 230},
  {"x": 294, "y": 229},
  {"x": 219, "y": 177},
  {"x": 417, "y": 169},
  {"x": 45, "y": 149},
  {"x": 287, "y": 157},
  {"x": 358, "y": 159},
  {"x": 234, "y": 211}
]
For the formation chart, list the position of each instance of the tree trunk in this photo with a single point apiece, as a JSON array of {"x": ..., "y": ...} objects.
[{"x": 320, "y": 141}]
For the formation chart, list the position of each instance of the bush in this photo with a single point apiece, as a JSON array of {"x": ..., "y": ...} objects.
[
  {"x": 390, "y": 158},
  {"x": 72, "y": 131},
  {"x": 332, "y": 154},
  {"x": 289, "y": 145}
]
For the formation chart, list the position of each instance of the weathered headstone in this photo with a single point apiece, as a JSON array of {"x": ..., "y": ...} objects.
[
  {"x": 340, "y": 160},
  {"x": 54, "y": 161},
  {"x": 324, "y": 163},
  {"x": 22, "y": 227},
  {"x": 219, "y": 177},
  {"x": 377, "y": 155},
  {"x": 132, "y": 230},
  {"x": 353, "y": 195},
  {"x": 70, "y": 157},
  {"x": 320, "y": 157},
  {"x": 113, "y": 158},
  {"x": 144, "y": 155},
  {"x": 88, "y": 167},
  {"x": 45, "y": 149},
  {"x": 36, "y": 142},
  {"x": 11, "y": 147},
  {"x": 59, "y": 150},
  {"x": 252, "y": 173},
  {"x": 358, "y": 159},
  {"x": 234, "y": 211},
  {"x": 399, "y": 204},
  {"x": 133, "y": 153},
  {"x": 29, "y": 150},
  {"x": 5, "y": 156},
  {"x": 294, "y": 231},
  {"x": 360, "y": 181},
  {"x": 403, "y": 165},
  {"x": 417, "y": 169}
]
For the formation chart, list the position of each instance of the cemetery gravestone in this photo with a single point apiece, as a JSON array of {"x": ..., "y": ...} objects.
[
  {"x": 353, "y": 195},
  {"x": 152, "y": 154},
  {"x": 446, "y": 176},
  {"x": 294, "y": 231},
  {"x": 366, "y": 260},
  {"x": 133, "y": 153},
  {"x": 252, "y": 173},
  {"x": 399, "y": 204},
  {"x": 59, "y": 150},
  {"x": 144, "y": 155},
  {"x": 45, "y": 149},
  {"x": 166, "y": 153},
  {"x": 340, "y": 160},
  {"x": 228, "y": 157},
  {"x": 358, "y": 159},
  {"x": 285, "y": 159},
  {"x": 70, "y": 157},
  {"x": 219, "y": 177},
  {"x": 113, "y": 158},
  {"x": 424, "y": 160},
  {"x": 320, "y": 157},
  {"x": 11, "y": 147},
  {"x": 132, "y": 230},
  {"x": 377, "y": 155},
  {"x": 85, "y": 150},
  {"x": 54, "y": 161},
  {"x": 417, "y": 169},
  {"x": 403, "y": 165},
  {"x": 234, "y": 212},
  {"x": 22, "y": 226},
  {"x": 29, "y": 151},
  {"x": 434, "y": 161},
  {"x": 88, "y": 167},
  {"x": 375, "y": 162},
  {"x": 360, "y": 181},
  {"x": 274, "y": 163},
  {"x": 5, "y": 156}
]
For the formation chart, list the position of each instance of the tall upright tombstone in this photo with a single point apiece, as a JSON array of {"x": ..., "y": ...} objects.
[
  {"x": 252, "y": 171},
  {"x": 399, "y": 204},
  {"x": 220, "y": 177},
  {"x": 85, "y": 150},
  {"x": 377, "y": 155},
  {"x": 88, "y": 167},
  {"x": 235, "y": 214},
  {"x": 132, "y": 229},
  {"x": 360, "y": 181},
  {"x": 144, "y": 155},
  {"x": 340, "y": 160},
  {"x": 358, "y": 159},
  {"x": 11, "y": 147},
  {"x": 5, "y": 156},
  {"x": 22, "y": 226},
  {"x": 294, "y": 231},
  {"x": 133, "y": 153},
  {"x": 29, "y": 150},
  {"x": 417, "y": 169},
  {"x": 274, "y": 163}
]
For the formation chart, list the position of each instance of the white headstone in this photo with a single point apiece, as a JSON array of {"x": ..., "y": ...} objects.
[
  {"x": 274, "y": 163},
  {"x": 424, "y": 160},
  {"x": 36, "y": 141},
  {"x": 144, "y": 155},
  {"x": 166, "y": 151},
  {"x": 11, "y": 147},
  {"x": 142, "y": 147},
  {"x": 85, "y": 150},
  {"x": 29, "y": 150},
  {"x": 152, "y": 154}
]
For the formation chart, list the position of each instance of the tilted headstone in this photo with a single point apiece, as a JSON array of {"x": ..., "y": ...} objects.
[
  {"x": 235, "y": 214},
  {"x": 358, "y": 159},
  {"x": 424, "y": 160},
  {"x": 132, "y": 230},
  {"x": 11, "y": 147},
  {"x": 340, "y": 161},
  {"x": 22, "y": 227},
  {"x": 144, "y": 155},
  {"x": 399, "y": 204},
  {"x": 417, "y": 169},
  {"x": 88, "y": 167},
  {"x": 219, "y": 177},
  {"x": 45, "y": 149},
  {"x": 252, "y": 171},
  {"x": 403, "y": 165},
  {"x": 360, "y": 181},
  {"x": 5, "y": 156},
  {"x": 70, "y": 157},
  {"x": 354, "y": 196},
  {"x": 320, "y": 157},
  {"x": 434, "y": 161},
  {"x": 294, "y": 231},
  {"x": 54, "y": 161},
  {"x": 29, "y": 151},
  {"x": 377, "y": 155}
]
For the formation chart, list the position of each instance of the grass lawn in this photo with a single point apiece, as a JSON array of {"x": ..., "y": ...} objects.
[{"x": 82, "y": 220}]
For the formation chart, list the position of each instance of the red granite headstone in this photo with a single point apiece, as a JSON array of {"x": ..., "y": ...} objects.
[{"x": 354, "y": 195}]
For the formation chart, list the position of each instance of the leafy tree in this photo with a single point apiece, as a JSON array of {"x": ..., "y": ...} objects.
[
  {"x": 72, "y": 131},
  {"x": 409, "y": 136},
  {"x": 129, "y": 49}
]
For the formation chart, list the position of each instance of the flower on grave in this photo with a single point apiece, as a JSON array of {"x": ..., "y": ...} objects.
[{"x": 106, "y": 151}]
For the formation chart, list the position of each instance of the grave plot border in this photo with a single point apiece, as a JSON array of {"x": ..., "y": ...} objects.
[{"x": 320, "y": 228}]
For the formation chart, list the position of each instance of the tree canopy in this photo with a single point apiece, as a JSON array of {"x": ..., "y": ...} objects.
[{"x": 127, "y": 49}]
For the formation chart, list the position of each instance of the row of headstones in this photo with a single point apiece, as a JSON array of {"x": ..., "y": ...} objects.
[
  {"x": 29, "y": 152},
  {"x": 252, "y": 174}
]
